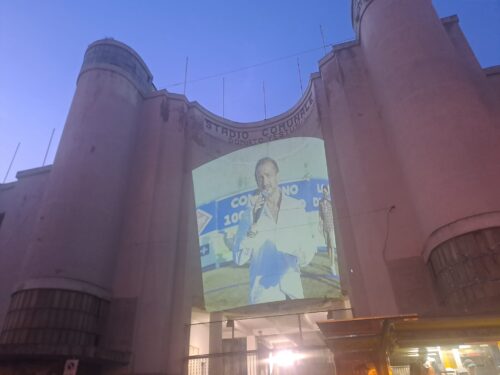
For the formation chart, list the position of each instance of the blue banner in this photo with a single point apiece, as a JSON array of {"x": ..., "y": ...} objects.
[{"x": 225, "y": 213}]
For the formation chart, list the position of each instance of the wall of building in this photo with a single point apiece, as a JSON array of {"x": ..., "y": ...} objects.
[
  {"x": 438, "y": 114},
  {"x": 19, "y": 202},
  {"x": 493, "y": 78},
  {"x": 149, "y": 279},
  {"x": 376, "y": 217},
  {"x": 411, "y": 128}
]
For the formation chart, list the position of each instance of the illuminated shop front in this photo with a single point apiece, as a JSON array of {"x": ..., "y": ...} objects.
[
  {"x": 416, "y": 345},
  {"x": 265, "y": 345}
]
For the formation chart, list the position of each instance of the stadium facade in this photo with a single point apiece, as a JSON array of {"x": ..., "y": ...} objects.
[{"x": 100, "y": 252}]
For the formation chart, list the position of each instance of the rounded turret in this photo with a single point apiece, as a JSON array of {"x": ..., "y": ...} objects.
[
  {"x": 441, "y": 128},
  {"x": 72, "y": 255}
]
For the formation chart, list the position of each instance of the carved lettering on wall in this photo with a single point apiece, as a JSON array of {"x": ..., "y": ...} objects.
[{"x": 251, "y": 135}]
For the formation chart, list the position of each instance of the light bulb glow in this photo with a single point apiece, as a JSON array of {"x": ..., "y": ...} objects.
[{"x": 283, "y": 358}]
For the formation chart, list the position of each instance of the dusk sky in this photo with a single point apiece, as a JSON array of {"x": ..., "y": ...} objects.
[{"x": 42, "y": 45}]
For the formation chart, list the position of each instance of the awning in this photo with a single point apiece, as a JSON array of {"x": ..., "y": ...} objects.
[{"x": 372, "y": 335}]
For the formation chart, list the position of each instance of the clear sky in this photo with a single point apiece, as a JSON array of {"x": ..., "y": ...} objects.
[{"x": 42, "y": 45}]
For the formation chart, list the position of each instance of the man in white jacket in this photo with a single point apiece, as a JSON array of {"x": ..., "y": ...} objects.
[{"x": 275, "y": 237}]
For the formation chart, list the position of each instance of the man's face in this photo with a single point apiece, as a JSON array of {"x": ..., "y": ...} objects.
[{"x": 267, "y": 178}]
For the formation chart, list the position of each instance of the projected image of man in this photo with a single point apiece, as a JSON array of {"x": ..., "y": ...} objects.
[
  {"x": 274, "y": 236},
  {"x": 326, "y": 227}
]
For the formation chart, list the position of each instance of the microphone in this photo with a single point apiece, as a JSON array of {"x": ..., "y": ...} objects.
[{"x": 257, "y": 214}]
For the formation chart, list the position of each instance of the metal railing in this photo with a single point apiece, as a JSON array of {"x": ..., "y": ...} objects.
[{"x": 317, "y": 361}]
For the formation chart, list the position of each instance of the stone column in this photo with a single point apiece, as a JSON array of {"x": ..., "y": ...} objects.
[{"x": 216, "y": 364}]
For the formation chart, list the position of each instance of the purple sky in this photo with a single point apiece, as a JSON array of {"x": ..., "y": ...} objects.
[{"x": 42, "y": 45}]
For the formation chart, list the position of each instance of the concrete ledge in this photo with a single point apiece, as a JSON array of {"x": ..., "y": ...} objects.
[
  {"x": 7, "y": 185},
  {"x": 336, "y": 49},
  {"x": 492, "y": 70},
  {"x": 459, "y": 227},
  {"x": 450, "y": 19},
  {"x": 65, "y": 284},
  {"x": 33, "y": 171},
  {"x": 85, "y": 353}
]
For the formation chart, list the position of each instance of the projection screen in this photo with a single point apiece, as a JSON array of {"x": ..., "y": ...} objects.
[{"x": 265, "y": 225}]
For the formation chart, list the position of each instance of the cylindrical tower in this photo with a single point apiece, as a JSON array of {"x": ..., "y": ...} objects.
[
  {"x": 445, "y": 139},
  {"x": 68, "y": 272}
]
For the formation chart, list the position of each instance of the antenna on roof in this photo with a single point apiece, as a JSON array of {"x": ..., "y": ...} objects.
[
  {"x": 300, "y": 76},
  {"x": 11, "y": 162},
  {"x": 265, "y": 105},
  {"x": 223, "y": 95},
  {"x": 185, "y": 75},
  {"x": 48, "y": 147},
  {"x": 322, "y": 38}
]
